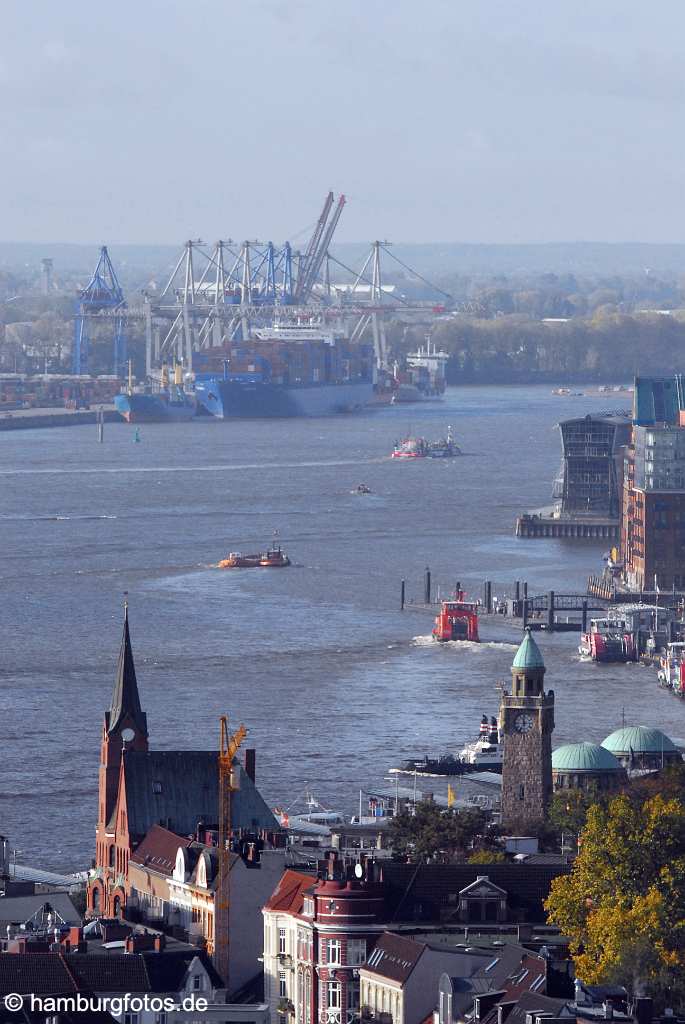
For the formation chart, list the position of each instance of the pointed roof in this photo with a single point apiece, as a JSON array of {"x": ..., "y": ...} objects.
[
  {"x": 528, "y": 655},
  {"x": 125, "y": 698}
]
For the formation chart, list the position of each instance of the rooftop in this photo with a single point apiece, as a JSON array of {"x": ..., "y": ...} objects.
[
  {"x": 640, "y": 739},
  {"x": 584, "y": 757},
  {"x": 528, "y": 654}
]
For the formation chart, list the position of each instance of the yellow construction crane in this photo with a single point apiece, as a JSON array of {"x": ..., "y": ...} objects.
[{"x": 228, "y": 784}]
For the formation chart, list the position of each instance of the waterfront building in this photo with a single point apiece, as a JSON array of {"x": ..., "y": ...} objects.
[
  {"x": 640, "y": 748},
  {"x": 586, "y": 766},
  {"x": 140, "y": 789},
  {"x": 591, "y": 474},
  {"x": 526, "y": 720},
  {"x": 319, "y": 932},
  {"x": 653, "y": 516}
]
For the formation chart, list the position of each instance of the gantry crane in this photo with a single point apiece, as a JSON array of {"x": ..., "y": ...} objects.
[
  {"x": 228, "y": 784},
  {"x": 101, "y": 296}
]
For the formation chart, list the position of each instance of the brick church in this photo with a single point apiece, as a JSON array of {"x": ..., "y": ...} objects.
[{"x": 140, "y": 788}]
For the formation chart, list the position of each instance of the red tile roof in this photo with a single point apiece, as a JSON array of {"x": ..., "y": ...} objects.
[
  {"x": 288, "y": 896},
  {"x": 158, "y": 850}
]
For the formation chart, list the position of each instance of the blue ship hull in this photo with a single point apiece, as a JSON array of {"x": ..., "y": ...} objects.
[
  {"x": 228, "y": 399},
  {"x": 156, "y": 408}
]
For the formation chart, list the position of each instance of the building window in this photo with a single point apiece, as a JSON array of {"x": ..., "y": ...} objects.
[
  {"x": 198, "y": 983},
  {"x": 157, "y": 788},
  {"x": 281, "y": 941},
  {"x": 333, "y": 993},
  {"x": 356, "y": 952},
  {"x": 282, "y": 985},
  {"x": 130, "y": 1018},
  {"x": 333, "y": 951},
  {"x": 520, "y": 791},
  {"x": 161, "y": 1018}
]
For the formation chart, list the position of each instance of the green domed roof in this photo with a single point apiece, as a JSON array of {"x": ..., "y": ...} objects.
[
  {"x": 584, "y": 757},
  {"x": 528, "y": 654},
  {"x": 638, "y": 738}
]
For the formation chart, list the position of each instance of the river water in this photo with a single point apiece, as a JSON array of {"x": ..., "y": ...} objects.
[{"x": 334, "y": 683}]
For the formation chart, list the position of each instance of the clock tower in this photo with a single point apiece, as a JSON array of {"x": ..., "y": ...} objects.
[{"x": 526, "y": 721}]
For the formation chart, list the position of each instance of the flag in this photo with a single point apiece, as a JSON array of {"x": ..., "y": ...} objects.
[{"x": 450, "y": 795}]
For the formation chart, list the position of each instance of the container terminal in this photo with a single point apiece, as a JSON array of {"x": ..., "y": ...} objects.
[{"x": 251, "y": 329}]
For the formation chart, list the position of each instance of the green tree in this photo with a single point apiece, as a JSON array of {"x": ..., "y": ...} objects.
[
  {"x": 623, "y": 904},
  {"x": 568, "y": 810},
  {"x": 434, "y": 834}
]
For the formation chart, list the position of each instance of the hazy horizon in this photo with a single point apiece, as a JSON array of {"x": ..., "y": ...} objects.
[{"x": 443, "y": 124}]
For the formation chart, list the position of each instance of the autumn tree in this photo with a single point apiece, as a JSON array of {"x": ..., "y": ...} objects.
[
  {"x": 623, "y": 904},
  {"x": 431, "y": 833}
]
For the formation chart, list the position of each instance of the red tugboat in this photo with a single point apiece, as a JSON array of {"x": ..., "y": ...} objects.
[{"x": 458, "y": 620}]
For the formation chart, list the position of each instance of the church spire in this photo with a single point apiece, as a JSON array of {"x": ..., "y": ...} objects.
[{"x": 125, "y": 698}]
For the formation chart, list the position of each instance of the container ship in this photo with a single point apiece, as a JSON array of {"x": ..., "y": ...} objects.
[
  {"x": 157, "y": 402},
  {"x": 284, "y": 371}
]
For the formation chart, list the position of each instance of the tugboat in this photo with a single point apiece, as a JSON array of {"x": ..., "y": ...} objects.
[
  {"x": 274, "y": 558},
  {"x": 608, "y": 640},
  {"x": 445, "y": 448},
  {"x": 482, "y": 754},
  {"x": 458, "y": 620}
]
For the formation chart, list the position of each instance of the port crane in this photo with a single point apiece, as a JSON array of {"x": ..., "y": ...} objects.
[
  {"x": 216, "y": 294},
  {"x": 228, "y": 784},
  {"x": 101, "y": 296}
]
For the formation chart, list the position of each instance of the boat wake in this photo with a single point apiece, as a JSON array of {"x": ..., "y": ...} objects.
[{"x": 464, "y": 645}]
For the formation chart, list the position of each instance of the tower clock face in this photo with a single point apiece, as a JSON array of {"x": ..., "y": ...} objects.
[{"x": 524, "y": 723}]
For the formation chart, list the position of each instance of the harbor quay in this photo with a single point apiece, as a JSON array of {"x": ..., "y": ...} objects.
[{"x": 203, "y": 899}]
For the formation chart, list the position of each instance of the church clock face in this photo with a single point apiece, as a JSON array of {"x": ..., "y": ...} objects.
[{"x": 524, "y": 723}]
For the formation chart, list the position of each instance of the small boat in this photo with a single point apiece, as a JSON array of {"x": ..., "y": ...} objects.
[
  {"x": 410, "y": 448},
  {"x": 608, "y": 640},
  {"x": 237, "y": 561},
  {"x": 672, "y": 668},
  {"x": 274, "y": 558},
  {"x": 483, "y": 754},
  {"x": 420, "y": 448},
  {"x": 458, "y": 620},
  {"x": 361, "y": 489}
]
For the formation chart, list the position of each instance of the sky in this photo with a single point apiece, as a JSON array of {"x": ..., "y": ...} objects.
[{"x": 440, "y": 120}]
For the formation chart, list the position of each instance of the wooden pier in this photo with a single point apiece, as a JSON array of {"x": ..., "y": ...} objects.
[{"x": 551, "y": 611}]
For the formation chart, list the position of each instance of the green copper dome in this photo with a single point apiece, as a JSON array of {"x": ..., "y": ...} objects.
[
  {"x": 584, "y": 757},
  {"x": 528, "y": 654},
  {"x": 640, "y": 739}
]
